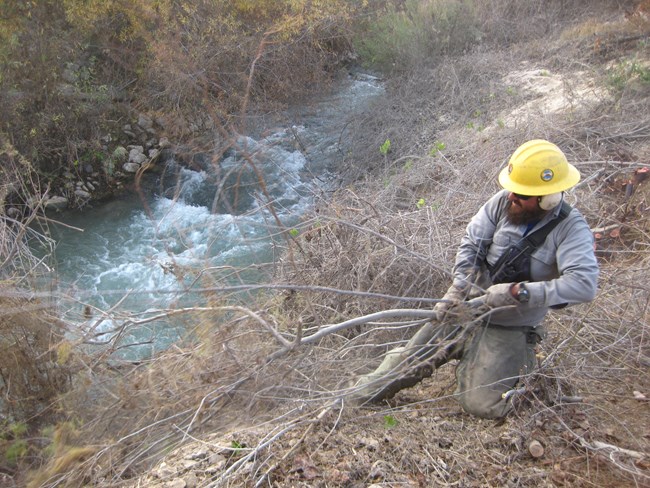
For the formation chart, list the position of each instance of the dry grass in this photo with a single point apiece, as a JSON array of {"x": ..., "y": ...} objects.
[
  {"x": 30, "y": 377},
  {"x": 586, "y": 404},
  {"x": 264, "y": 406},
  {"x": 280, "y": 415}
]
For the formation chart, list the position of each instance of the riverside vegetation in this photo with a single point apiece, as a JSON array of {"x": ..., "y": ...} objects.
[{"x": 250, "y": 398}]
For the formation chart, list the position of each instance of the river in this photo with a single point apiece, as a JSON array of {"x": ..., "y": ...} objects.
[{"x": 131, "y": 255}]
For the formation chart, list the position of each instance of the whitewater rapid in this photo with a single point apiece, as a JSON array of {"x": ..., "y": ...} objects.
[{"x": 211, "y": 223}]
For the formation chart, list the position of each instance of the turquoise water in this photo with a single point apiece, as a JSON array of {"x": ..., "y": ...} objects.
[{"x": 209, "y": 225}]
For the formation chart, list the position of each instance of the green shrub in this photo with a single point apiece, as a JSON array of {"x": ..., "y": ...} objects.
[
  {"x": 16, "y": 450},
  {"x": 398, "y": 38},
  {"x": 13, "y": 446},
  {"x": 628, "y": 73},
  {"x": 438, "y": 146}
]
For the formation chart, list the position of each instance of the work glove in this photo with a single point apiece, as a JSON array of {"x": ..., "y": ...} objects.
[
  {"x": 453, "y": 296},
  {"x": 499, "y": 296}
]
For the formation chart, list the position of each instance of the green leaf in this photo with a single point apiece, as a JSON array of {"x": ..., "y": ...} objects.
[
  {"x": 385, "y": 147},
  {"x": 294, "y": 232},
  {"x": 421, "y": 203},
  {"x": 389, "y": 421}
]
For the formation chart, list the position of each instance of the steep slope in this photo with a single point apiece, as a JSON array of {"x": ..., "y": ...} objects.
[{"x": 584, "y": 418}]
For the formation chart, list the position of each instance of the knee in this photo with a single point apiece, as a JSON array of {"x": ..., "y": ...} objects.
[{"x": 484, "y": 403}]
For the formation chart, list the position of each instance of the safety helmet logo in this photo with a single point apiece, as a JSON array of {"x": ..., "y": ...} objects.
[
  {"x": 547, "y": 175},
  {"x": 510, "y": 168}
]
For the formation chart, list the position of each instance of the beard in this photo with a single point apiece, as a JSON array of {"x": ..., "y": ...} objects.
[{"x": 517, "y": 215}]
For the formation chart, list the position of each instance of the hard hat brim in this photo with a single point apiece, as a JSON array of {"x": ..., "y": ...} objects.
[{"x": 539, "y": 190}]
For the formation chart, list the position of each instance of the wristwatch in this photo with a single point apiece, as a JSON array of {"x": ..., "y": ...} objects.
[{"x": 522, "y": 294}]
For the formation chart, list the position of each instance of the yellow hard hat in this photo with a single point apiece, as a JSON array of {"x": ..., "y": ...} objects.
[{"x": 538, "y": 168}]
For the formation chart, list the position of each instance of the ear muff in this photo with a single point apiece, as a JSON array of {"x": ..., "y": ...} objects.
[{"x": 547, "y": 202}]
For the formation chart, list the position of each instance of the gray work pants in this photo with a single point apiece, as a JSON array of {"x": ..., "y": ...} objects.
[{"x": 491, "y": 363}]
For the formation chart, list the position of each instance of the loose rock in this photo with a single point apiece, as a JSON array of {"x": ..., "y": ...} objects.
[{"x": 535, "y": 449}]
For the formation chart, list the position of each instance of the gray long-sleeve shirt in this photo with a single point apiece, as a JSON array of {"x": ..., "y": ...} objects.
[{"x": 563, "y": 269}]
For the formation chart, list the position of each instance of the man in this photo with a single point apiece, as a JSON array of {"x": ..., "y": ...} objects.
[{"x": 519, "y": 288}]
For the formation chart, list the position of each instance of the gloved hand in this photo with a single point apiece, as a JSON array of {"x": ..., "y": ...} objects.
[
  {"x": 499, "y": 296},
  {"x": 454, "y": 296}
]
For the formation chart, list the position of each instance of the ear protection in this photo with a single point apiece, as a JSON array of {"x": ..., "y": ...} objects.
[{"x": 547, "y": 202}]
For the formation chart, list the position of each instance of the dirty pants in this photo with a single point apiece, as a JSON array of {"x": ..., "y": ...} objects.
[{"x": 491, "y": 362}]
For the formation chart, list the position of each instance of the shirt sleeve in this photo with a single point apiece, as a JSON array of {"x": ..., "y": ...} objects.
[
  {"x": 576, "y": 264},
  {"x": 474, "y": 245}
]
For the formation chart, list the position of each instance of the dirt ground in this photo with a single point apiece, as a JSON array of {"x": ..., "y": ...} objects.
[{"x": 422, "y": 438}]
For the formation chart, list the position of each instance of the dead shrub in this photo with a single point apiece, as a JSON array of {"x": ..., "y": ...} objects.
[
  {"x": 390, "y": 243},
  {"x": 31, "y": 377}
]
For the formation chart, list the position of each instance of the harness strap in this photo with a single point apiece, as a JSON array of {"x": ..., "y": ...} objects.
[
  {"x": 538, "y": 237},
  {"x": 514, "y": 263}
]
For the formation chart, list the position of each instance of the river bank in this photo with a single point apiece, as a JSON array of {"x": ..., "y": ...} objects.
[{"x": 218, "y": 216}]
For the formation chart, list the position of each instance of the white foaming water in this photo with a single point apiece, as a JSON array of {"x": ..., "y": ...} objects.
[
  {"x": 216, "y": 217},
  {"x": 154, "y": 252}
]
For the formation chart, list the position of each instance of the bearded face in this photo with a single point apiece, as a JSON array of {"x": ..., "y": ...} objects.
[{"x": 523, "y": 212}]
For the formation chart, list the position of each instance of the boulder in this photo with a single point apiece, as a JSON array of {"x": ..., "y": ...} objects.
[
  {"x": 129, "y": 132},
  {"x": 56, "y": 202},
  {"x": 120, "y": 155},
  {"x": 145, "y": 122},
  {"x": 131, "y": 167},
  {"x": 136, "y": 155}
]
